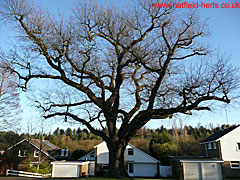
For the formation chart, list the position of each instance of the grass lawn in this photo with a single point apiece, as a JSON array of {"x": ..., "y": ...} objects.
[
  {"x": 24, "y": 178},
  {"x": 115, "y": 179},
  {"x": 154, "y": 179},
  {"x": 123, "y": 179}
]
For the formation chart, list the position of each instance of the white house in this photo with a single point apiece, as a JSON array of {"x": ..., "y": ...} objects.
[
  {"x": 138, "y": 163},
  {"x": 225, "y": 145}
]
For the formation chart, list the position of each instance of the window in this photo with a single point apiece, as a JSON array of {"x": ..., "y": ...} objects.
[
  {"x": 22, "y": 153},
  {"x": 214, "y": 145},
  {"x": 130, "y": 152},
  {"x": 64, "y": 152},
  {"x": 235, "y": 164},
  {"x": 36, "y": 154},
  {"x": 238, "y": 146},
  {"x": 209, "y": 145}
]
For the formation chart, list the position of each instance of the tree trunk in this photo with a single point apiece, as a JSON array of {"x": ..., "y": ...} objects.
[{"x": 116, "y": 166}]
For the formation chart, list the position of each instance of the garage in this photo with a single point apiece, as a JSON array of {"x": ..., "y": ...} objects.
[
  {"x": 71, "y": 169},
  {"x": 145, "y": 170},
  {"x": 201, "y": 169}
]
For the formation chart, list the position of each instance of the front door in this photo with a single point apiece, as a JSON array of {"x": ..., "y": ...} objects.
[{"x": 130, "y": 169}]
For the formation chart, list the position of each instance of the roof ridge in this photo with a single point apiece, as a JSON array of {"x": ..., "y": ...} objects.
[{"x": 219, "y": 134}]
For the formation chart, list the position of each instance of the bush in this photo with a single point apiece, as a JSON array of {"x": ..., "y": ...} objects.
[
  {"x": 44, "y": 168},
  {"x": 162, "y": 138},
  {"x": 162, "y": 151}
]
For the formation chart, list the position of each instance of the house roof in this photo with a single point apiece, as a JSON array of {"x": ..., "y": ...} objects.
[
  {"x": 218, "y": 134},
  {"x": 201, "y": 161},
  {"x": 84, "y": 158},
  {"x": 45, "y": 146}
]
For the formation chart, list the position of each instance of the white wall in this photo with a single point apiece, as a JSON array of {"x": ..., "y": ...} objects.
[
  {"x": 229, "y": 147},
  {"x": 137, "y": 157},
  {"x": 102, "y": 153},
  {"x": 144, "y": 164}
]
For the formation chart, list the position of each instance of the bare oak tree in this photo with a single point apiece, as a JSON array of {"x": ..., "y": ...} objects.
[{"x": 117, "y": 68}]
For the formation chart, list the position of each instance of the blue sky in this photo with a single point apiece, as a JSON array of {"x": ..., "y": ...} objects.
[{"x": 224, "y": 26}]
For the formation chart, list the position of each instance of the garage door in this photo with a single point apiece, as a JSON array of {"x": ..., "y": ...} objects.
[
  {"x": 202, "y": 171},
  {"x": 211, "y": 171},
  {"x": 191, "y": 171},
  {"x": 65, "y": 171}
]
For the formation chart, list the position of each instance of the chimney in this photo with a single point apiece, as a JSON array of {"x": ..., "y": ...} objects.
[{"x": 223, "y": 127}]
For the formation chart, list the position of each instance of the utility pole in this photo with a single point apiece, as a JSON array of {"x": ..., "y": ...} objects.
[
  {"x": 40, "y": 146},
  {"x": 226, "y": 115}
]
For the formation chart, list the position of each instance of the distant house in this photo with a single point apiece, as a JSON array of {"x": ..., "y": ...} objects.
[
  {"x": 138, "y": 163},
  {"x": 31, "y": 152},
  {"x": 225, "y": 145}
]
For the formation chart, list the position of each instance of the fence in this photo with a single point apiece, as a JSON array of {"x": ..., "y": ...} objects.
[
  {"x": 25, "y": 174},
  {"x": 166, "y": 171}
]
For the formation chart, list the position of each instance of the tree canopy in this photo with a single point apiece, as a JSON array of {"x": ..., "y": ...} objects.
[{"x": 119, "y": 68}]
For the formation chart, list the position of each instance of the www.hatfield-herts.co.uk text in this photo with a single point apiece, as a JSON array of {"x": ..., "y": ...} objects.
[{"x": 196, "y": 5}]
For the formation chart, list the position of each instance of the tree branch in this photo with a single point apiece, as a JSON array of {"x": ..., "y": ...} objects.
[{"x": 84, "y": 122}]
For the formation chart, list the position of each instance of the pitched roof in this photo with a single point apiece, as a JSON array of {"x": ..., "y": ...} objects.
[
  {"x": 218, "y": 134},
  {"x": 84, "y": 158},
  {"x": 46, "y": 146}
]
